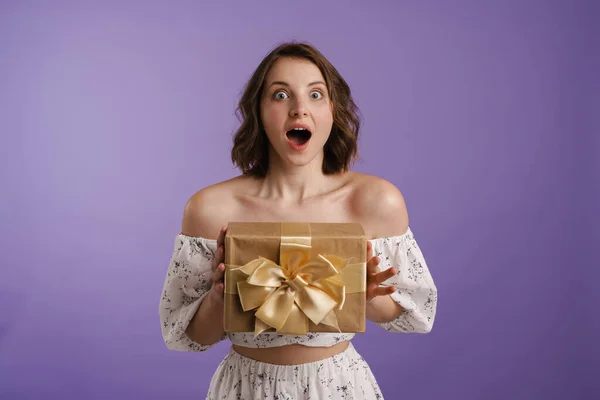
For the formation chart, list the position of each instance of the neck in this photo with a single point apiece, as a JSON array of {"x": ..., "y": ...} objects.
[{"x": 295, "y": 183}]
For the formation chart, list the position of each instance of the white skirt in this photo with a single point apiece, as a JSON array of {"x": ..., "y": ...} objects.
[{"x": 343, "y": 376}]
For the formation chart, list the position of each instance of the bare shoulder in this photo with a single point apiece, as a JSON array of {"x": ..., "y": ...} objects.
[
  {"x": 209, "y": 209},
  {"x": 380, "y": 205}
]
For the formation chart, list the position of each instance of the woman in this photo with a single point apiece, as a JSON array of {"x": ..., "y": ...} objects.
[{"x": 297, "y": 138}]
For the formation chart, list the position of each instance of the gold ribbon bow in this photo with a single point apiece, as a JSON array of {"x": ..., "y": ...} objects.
[{"x": 300, "y": 289}]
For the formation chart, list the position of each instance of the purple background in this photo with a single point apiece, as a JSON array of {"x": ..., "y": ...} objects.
[{"x": 481, "y": 112}]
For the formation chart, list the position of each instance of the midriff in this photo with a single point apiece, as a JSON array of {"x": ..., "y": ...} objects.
[{"x": 291, "y": 354}]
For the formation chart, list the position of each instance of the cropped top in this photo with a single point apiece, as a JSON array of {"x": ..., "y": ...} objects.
[{"x": 189, "y": 277}]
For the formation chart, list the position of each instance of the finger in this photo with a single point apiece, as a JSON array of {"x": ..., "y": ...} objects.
[
  {"x": 221, "y": 237},
  {"x": 218, "y": 288},
  {"x": 383, "y": 291},
  {"x": 369, "y": 250},
  {"x": 385, "y": 275},
  {"x": 219, "y": 273},
  {"x": 219, "y": 258},
  {"x": 373, "y": 265}
]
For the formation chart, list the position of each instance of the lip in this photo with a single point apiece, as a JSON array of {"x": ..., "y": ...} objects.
[{"x": 293, "y": 145}]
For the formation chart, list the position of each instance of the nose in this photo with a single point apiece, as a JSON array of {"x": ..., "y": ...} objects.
[{"x": 299, "y": 109}]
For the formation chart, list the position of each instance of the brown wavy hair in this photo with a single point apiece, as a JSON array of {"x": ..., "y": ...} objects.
[{"x": 250, "y": 151}]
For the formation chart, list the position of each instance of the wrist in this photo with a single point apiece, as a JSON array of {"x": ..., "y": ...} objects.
[{"x": 382, "y": 309}]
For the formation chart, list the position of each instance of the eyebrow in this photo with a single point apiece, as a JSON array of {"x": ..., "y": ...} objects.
[{"x": 285, "y": 84}]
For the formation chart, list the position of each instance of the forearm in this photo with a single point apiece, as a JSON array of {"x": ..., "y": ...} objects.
[
  {"x": 383, "y": 309},
  {"x": 206, "y": 327}
]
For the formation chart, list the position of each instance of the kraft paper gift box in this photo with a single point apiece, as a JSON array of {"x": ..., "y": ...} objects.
[{"x": 294, "y": 278}]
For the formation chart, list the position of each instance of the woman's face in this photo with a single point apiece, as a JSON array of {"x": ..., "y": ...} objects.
[{"x": 295, "y": 111}]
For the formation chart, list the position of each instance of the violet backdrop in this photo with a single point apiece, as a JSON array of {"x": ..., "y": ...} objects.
[{"x": 112, "y": 114}]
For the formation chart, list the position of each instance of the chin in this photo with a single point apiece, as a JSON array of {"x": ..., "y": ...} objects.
[{"x": 302, "y": 160}]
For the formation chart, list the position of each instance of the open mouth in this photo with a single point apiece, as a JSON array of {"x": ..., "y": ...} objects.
[{"x": 298, "y": 136}]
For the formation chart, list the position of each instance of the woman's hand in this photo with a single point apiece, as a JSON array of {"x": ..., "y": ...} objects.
[
  {"x": 218, "y": 267},
  {"x": 206, "y": 326},
  {"x": 375, "y": 278}
]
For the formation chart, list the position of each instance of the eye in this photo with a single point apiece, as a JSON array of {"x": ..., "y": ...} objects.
[
  {"x": 316, "y": 95},
  {"x": 280, "y": 95}
]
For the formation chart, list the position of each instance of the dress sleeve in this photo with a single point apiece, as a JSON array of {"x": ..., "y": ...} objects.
[
  {"x": 186, "y": 285},
  {"x": 416, "y": 292}
]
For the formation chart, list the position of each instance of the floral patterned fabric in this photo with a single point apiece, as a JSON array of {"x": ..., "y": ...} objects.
[
  {"x": 188, "y": 281},
  {"x": 343, "y": 376}
]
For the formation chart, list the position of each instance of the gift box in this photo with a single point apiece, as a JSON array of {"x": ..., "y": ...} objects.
[{"x": 294, "y": 278}]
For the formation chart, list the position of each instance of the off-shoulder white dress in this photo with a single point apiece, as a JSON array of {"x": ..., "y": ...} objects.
[{"x": 343, "y": 376}]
